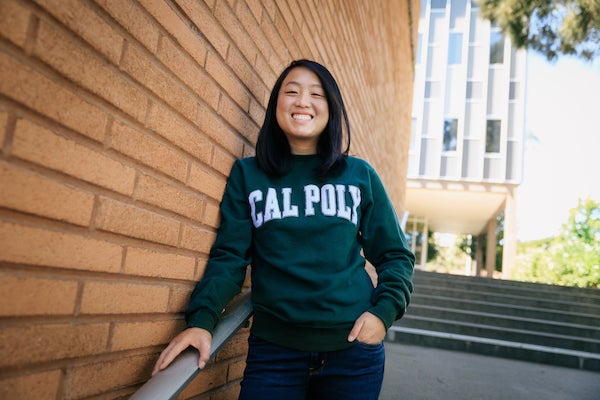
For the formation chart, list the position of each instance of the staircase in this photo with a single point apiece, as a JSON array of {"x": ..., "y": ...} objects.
[{"x": 526, "y": 321}]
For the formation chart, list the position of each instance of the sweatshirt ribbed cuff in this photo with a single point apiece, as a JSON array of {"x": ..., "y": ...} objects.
[{"x": 386, "y": 311}]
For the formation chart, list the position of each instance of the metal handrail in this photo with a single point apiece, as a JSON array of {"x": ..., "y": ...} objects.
[{"x": 168, "y": 383}]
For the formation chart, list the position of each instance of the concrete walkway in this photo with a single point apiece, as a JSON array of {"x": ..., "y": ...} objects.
[{"x": 423, "y": 373}]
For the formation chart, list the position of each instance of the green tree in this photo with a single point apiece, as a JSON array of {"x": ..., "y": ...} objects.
[
  {"x": 570, "y": 259},
  {"x": 551, "y": 27}
]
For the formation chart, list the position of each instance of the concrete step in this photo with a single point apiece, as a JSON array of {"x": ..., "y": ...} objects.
[
  {"x": 499, "y": 296},
  {"x": 541, "y": 323},
  {"x": 505, "y": 309},
  {"x": 496, "y": 348},
  {"x": 567, "y": 293},
  {"x": 513, "y": 334},
  {"x": 506, "y": 321}
]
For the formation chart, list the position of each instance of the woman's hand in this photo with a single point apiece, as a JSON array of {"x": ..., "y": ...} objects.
[
  {"x": 195, "y": 337},
  {"x": 368, "y": 328}
]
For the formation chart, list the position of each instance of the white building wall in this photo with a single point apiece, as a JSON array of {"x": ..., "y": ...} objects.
[{"x": 454, "y": 80}]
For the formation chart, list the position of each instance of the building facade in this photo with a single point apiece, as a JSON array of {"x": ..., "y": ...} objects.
[
  {"x": 119, "y": 123},
  {"x": 466, "y": 147}
]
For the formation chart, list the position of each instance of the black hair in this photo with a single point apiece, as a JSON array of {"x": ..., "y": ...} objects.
[{"x": 273, "y": 152}]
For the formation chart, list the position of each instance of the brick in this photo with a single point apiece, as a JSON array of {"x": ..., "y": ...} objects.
[
  {"x": 257, "y": 111},
  {"x": 194, "y": 44},
  {"x": 148, "y": 150},
  {"x": 88, "y": 25},
  {"x": 255, "y": 7},
  {"x": 3, "y": 127},
  {"x": 266, "y": 74},
  {"x": 235, "y": 347},
  {"x": 166, "y": 196},
  {"x": 41, "y": 385},
  {"x": 180, "y": 297},
  {"x": 57, "y": 249},
  {"x": 25, "y": 295},
  {"x": 136, "y": 335},
  {"x": 197, "y": 239},
  {"x": 228, "y": 393},
  {"x": 48, "y": 98},
  {"x": 238, "y": 119},
  {"x": 213, "y": 376},
  {"x": 158, "y": 264},
  {"x": 207, "y": 183},
  {"x": 35, "y": 194},
  {"x": 89, "y": 70},
  {"x": 148, "y": 74},
  {"x": 236, "y": 368},
  {"x": 206, "y": 23},
  {"x": 214, "y": 127},
  {"x": 129, "y": 220},
  {"x": 222, "y": 161},
  {"x": 83, "y": 381},
  {"x": 14, "y": 22},
  {"x": 211, "y": 215},
  {"x": 180, "y": 133},
  {"x": 283, "y": 31},
  {"x": 231, "y": 83},
  {"x": 275, "y": 39},
  {"x": 255, "y": 32},
  {"x": 271, "y": 8},
  {"x": 230, "y": 23},
  {"x": 41, "y": 146},
  {"x": 123, "y": 298},
  {"x": 194, "y": 76},
  {"x": 134, "y": 20},
  {"x": 251, "y": 78},
  {"x": 50, "y": 342}
]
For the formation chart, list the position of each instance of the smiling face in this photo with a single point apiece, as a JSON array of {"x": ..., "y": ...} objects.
[{"x": 302, "y": 110}]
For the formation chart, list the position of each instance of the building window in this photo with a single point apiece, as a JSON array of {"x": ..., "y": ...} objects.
[
  {"x": 474, "y": 90},
  {"x": 438, "y": 3},
  {"x": 450, "y": 134},
  {"x": 455, "y": 48},
  {"x": 513, "y": 91},
  {"x": 492, "y": 136},
  {"x": 496, "y": 47}
]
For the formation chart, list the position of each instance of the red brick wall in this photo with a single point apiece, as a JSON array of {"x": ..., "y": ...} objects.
[{"x": 119, "y": 121}]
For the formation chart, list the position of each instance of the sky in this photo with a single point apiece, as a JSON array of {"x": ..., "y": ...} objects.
[{"x": 562, "y": 143}]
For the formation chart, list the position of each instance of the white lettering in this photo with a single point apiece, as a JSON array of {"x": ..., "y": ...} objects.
[
  {"x": 328, "y": 200},
  {"x": 311, "y": 196},
  {"x": 343, "y": 211},
  {"x": 355, "y": 193},
  {"x": 272, "y": 210},
  {"x": 257, "y": 219},
  {"x": 288, "y": 209}
]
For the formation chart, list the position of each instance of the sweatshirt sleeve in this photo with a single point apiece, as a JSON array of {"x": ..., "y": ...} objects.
[
  {"x": 229, "y": 256},
  {"x": 385, "y": 247}
]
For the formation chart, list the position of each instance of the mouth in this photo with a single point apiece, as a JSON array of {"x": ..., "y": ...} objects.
[{"x": 301, "y": 117}]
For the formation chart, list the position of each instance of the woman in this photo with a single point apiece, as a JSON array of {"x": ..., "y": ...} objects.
[{"x": 302, "y": 213}]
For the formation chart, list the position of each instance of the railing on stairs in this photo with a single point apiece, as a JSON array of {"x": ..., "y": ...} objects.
[{"x": 168, "y": 383}]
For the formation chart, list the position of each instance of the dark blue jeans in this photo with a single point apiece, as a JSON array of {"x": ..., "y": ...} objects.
[{"x": 279, "y": 373}]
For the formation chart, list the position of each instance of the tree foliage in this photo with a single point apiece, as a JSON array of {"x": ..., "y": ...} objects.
[
  {"x": 572, "y": 258},
  {"x": 551, "y": 27}
]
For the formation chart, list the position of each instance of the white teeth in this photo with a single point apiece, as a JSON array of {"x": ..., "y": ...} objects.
[{"x": 302, "y": 117}]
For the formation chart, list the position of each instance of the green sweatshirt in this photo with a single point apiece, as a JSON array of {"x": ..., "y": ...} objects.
[{"x": 305, "y": 239}]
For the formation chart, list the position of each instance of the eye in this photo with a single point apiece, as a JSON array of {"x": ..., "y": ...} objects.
[
  {"x": 291, "y": 92},
  {"x": 317, "y": 94}
]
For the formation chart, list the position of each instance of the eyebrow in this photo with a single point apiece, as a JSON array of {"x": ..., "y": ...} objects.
[{"x": 299, "y": 84}]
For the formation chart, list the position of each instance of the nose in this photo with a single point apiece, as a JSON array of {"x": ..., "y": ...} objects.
[{"x": 303, "y": 99}]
